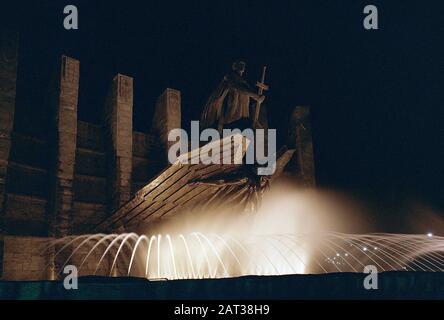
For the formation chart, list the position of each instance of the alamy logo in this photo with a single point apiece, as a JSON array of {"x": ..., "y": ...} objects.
[
  {"x": 71, "y": 21},
  {"x": 70, "y": 282},
  {"x": 219, "y": 151},
  {"x": 371, "y": 281},
  {"x": 371, "y": 19}
]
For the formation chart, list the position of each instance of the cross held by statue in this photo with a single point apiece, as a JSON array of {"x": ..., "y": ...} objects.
[{"x": 262, "y": 87}]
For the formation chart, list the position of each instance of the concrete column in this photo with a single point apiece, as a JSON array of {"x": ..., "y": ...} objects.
[
  {"x": 300, "y": 138},
  {"x": 64, "y": 141},
  {"x": 167, "y": 116},
  {"x": 8, "y": 78},
  {"x": 119, "y": 128}
]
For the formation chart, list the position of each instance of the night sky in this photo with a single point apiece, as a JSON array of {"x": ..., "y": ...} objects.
[{"x": 377, "y": 96}]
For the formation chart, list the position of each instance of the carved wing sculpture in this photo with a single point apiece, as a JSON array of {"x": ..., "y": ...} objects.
[{"x": 174, "y": 190}]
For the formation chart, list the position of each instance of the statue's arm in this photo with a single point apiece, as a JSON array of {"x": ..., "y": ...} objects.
[
  {"x": 245, "y": 89},
  {"x": 254, "y": 95}
]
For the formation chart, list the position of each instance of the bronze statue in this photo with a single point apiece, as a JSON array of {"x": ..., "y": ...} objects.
[
  {"x": 229, "y": 104},
  {"x": 229, "y": 108},
  {"x": 198, "y": 186}
]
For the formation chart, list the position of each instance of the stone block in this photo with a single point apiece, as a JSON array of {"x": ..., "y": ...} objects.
[
  {"x": 90, "y": 189},
  {"x": 65, "y": 113},
  {"x": 8, "y": 78},
  {"x": 300, "y": 138},
  {"x": 23, "y": 258},
  {"x": 27, "y": 180},
  {"x": 167, "y": 116},
  {"x": 118, "y": 122},
  {"x": 90, "y": 136}
]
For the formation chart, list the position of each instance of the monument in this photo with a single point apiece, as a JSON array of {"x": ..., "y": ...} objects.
[
  {"x": 235, "y": 184},
  {"x": 80, "y": 177}
]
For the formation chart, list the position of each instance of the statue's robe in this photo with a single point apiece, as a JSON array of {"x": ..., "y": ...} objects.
[{"x": 230, "y": 102}]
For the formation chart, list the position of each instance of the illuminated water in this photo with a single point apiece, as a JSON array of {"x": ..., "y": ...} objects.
[
  {"x": 292, "y": 233},
  {"x": 198, "y": 255}
]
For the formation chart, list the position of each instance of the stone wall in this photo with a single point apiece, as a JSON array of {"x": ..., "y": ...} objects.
[
  {"x": 24, "y": 259},
  {"x": 90, "y": 181},
  {"x": 68, "y": 181},
  {"x": 8, "y": 79},
  {"x": 28, "y": 258},
  {"x": 145, "y": 166}
]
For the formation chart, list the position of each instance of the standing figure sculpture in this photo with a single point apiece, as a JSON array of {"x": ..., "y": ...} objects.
[
  {"x": 229, "y": 104},
  {"x": 228, "y": 107}
]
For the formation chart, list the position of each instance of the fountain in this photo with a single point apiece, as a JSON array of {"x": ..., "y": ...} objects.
[
  {"x": 294, "y": 232},
  {"x": 197, "y": 255}
]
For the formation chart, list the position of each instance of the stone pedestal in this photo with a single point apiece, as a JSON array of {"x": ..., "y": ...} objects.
[
  {"x": 300, "y": 138},
  {"x": 119, "y": 132},
  {"x": 8, "y": 77}
]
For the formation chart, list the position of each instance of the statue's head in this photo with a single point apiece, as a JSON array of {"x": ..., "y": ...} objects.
[{"x": 239, "y": 67}]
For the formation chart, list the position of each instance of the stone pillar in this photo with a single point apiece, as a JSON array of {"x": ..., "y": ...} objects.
[
  {"x": 8, "y": 77},
  {"x": 300, "y": 138},
  {"x": 119, "y": 129},
  {"x": 64, "y": 142},
  {"x": 167, "y": 117}
]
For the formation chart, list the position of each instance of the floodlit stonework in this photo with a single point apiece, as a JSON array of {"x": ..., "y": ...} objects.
[{"x": 71, "y": 180}]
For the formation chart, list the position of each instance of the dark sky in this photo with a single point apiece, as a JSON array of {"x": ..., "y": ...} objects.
[{"x": 377, "y": 96}]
